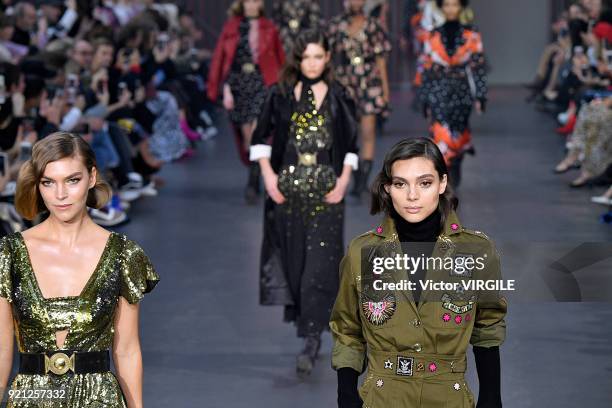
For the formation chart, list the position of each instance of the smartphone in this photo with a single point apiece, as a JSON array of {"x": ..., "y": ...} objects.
[
  {"x": 72, "y": 81},
  {"x": 100, "y": 86},
  {"x": 25, "y": 151},
  {"x": 578, "y": 50},
  {"x": 3, "y": 163},
  {"x": 2, "y": 89},
  {"x": 28, "y": 124},
  {"x": 162, "y": 41}
]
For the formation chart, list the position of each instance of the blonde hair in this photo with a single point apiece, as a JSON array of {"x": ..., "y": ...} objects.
[{"x": 60, "y": 145}]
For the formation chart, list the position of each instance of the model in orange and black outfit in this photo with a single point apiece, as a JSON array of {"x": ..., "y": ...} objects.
[{"x": 453, "y": 82}]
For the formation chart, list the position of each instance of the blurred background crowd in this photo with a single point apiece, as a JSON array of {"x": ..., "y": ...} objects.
[
  {"x": 131, "y": 77},
  {"x": 574, "y": 84},
  {"x": 126, "y": 75}
]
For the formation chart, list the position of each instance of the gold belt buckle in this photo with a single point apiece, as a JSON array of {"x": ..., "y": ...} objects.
[
  {"x": 59, "y": 363},
  {"x": 357, "y": 60},
  {"x": 294, "y": 24},
  {"x": 248, "y": 68},
  {"x": 307, "y": 159}
]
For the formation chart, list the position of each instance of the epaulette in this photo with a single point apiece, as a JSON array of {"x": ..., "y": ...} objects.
[{"x": 477, "y": 233}]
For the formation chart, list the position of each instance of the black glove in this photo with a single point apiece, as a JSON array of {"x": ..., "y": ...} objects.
[
  {"x": 425, "y": 110},
  {"x": 489, "y": 377},
  {"x": 348, "y": 397},
  {"x": 483, "y": 104}
]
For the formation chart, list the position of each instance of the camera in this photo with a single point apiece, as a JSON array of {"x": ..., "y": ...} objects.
[
  {"x": 3, "y": 164},
  {"x": 25, "y": 151}
]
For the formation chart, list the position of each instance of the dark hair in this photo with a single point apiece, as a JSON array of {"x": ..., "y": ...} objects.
[
  {"x": 404, "y": 150},
  {"x": 237, "y": 9},
  {"x": 291, "y": 70},
  {"x": 7, "y": 20},
  {"x": 464, "y": 3},
  {"x": 12, "y": 74}
]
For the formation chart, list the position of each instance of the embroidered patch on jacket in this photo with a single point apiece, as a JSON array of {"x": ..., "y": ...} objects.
[
  {"x": 447, "y": 303},
  {"x": 404, "y": 365},
  {"x": 378, "y": 313}
]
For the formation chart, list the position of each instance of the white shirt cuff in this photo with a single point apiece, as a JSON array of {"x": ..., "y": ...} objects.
[
  {"x": 260, "y": 151},
  {"x": 351, "y": 159}
]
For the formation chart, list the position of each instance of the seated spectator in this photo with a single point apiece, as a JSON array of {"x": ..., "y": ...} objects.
[{"x": 126, "y": 76}]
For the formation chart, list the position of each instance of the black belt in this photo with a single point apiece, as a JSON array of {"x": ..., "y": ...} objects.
[{"x": 62, "y": 361}]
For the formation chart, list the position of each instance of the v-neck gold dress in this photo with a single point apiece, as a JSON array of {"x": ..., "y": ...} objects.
[{"x": 123, "y": 270}]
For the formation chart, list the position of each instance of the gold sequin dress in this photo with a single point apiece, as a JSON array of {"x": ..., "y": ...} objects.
[
  {"x": 310, "y": 230},
  {"x": 123, "y": 270}
]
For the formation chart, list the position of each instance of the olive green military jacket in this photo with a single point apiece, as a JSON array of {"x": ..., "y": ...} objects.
[{"x": 416, "y": 354}]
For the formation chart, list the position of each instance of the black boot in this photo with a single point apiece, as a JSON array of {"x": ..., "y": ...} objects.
[
  {"x": 252, "y": 188},
  {"x": 306, "y": 359},
  {"x": 361, "y": 179}
]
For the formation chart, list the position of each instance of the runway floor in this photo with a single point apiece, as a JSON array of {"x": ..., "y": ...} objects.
[{"x": 207, "y": 342}]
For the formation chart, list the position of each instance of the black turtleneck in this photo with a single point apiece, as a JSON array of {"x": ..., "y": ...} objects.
[
  {"x": 425, "y": 232},
  {"x": 451, "y": 36}
]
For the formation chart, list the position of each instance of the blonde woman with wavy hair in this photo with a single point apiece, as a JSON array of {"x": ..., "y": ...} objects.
[{"x": 69, "y": 289}]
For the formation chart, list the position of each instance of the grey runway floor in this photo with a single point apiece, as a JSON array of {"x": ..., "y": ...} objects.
[{"x": 207, "y": 342}]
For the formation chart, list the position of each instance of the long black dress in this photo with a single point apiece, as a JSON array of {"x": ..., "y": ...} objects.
[{"x": 303, "y": 237}]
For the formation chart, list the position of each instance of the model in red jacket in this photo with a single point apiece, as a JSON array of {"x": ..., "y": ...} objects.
[{"x": 247, "y": 60}]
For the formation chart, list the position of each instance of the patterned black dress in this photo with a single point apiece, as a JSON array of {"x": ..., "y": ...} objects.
[
  {"x": 245, "y": 80},
  {"x": 355, "y": 62},
  {"x": 294, "y": 16}
]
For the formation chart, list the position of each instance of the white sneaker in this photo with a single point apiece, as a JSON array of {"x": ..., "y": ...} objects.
[
  {"x": 602, "y": 200},
  {"x": 135, "y": 179},
  {"x": 149, "y": 190},
  {"x": 107, "y": 216},
  {"x": 130, "y": 192}
]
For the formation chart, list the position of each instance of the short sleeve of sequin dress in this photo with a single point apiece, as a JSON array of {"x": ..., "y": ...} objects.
[
  {"x": 6, "y": 288},
  {"x": 138, "y": 276}
]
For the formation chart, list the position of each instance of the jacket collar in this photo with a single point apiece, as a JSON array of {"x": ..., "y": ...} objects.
[{"x": 387, "y": 230}]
